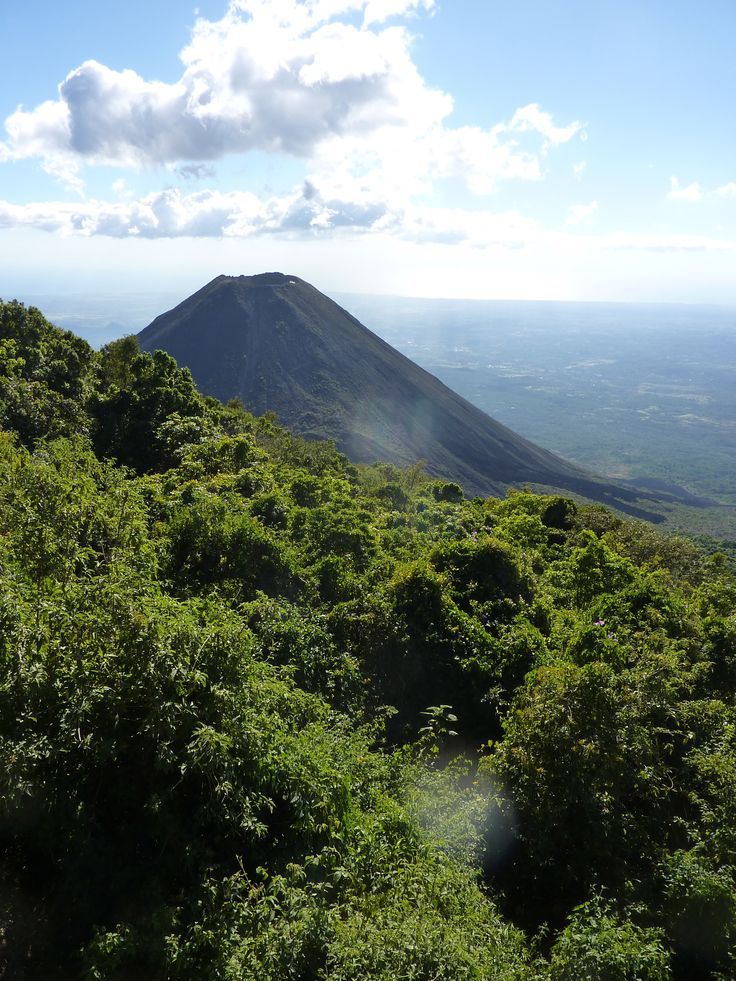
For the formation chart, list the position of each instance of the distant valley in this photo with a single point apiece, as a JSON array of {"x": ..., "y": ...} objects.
[{"x": 630, "y": 391}]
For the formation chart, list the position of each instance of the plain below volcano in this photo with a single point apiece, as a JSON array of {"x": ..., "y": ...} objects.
[{"x": 280, "y": 345}]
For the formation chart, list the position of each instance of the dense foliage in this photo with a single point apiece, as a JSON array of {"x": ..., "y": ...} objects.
[{"x": 268, "y": 715}]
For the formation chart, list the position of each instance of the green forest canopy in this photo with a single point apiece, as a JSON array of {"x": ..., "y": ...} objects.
[{"x": 268, "y": 715}]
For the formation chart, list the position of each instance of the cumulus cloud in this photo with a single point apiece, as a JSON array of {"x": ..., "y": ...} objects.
[
  {"x": 306, "y": 212},
  {"x": 163, "y": 214},
  {"x": 331, "y": 82},
  {"x": 298, "y": 77},
  {"x": 480, "y": 157},
  {"x": 305, "y": 14},
  {"x": 280, "y": 77},
  {"x": 695, "y": 192},
  {"x": 203, "y": 214},
  {"x": 691, "y": 192},
  {"x": 533, "y": 118},
  {"x": 377, "y": 11},
  {"x": 310, "y": 211},
  {"x": 403, "y": 163}
]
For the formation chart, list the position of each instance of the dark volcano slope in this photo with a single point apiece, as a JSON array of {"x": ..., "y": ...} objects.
[{"x": 279, "y": 344}]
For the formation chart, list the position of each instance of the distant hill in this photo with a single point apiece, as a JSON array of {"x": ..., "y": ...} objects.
[{"x": 280, "y": 345}]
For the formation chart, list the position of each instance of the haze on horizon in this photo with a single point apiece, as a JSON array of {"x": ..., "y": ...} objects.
[{"x": 415, "y": 147}]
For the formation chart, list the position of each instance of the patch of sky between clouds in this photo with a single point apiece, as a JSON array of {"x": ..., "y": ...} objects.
[{"x": 263, "y": 173}]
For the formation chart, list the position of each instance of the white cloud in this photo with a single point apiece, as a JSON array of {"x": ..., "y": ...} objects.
[
  {"x": 691, "y": 192},
  {"x": 313, "y": 212},
  {"x": 277, "y": 77},
  {"x": 477, "y": 157},
  {"x": 581, "y": 213},
  {"x": 203, "y": 214},
  {"x": 377, "y": 11},
  {"x": 398, "y": 165},
  {"x": 533, "y": 118},
  {"x": 579, "y": 169},
  {"x": 306, "y": 212},
  {"x": 296, "y": 77},
  {"x": 330, "y": 81},
  {"x": 694, "y": 191},
  {"x": 306, "y": 14}
]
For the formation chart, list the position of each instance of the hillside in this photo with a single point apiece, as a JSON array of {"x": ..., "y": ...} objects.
[
  {"x": 271, "y": 715},
  {"x": 280, "y": 345}
]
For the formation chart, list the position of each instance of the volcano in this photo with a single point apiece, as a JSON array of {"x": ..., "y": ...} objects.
[{"x": 280, "y": 345}]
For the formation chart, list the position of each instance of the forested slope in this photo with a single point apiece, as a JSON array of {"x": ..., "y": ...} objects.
[{"x": 265, "y": 714}]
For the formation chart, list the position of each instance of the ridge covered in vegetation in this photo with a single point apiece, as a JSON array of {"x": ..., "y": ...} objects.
[{"x": 269, "y": 715}]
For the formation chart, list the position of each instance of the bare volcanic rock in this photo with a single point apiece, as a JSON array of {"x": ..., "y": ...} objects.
[{"x": 279, "y": 344}]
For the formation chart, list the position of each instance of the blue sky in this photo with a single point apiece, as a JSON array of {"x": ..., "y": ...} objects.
[{"x": 425, "y": 147}]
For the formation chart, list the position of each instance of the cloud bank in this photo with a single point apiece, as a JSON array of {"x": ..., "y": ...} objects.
[{"x": 308, "y": 213}]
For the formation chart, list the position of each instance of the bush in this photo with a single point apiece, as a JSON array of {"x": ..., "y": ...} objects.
[{"x": 599, "y": 945}]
